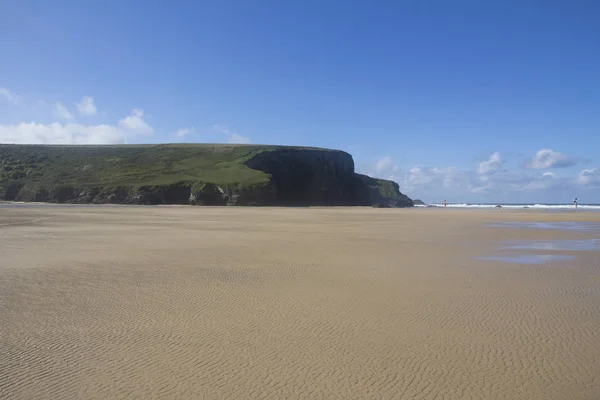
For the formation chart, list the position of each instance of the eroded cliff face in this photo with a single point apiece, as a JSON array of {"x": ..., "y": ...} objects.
[
  {"x": 297, "y": 177},
  {"x": 381, "y": 192},
  {"x": 309, "y": 177},
  {"x": 196, "y": 193},
  {"x": 324, "y": 178}
]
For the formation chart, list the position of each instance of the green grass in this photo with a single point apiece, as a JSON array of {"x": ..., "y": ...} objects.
[
  {"x": 132, "y": 165},
  {"x": 386, "y": 188}
]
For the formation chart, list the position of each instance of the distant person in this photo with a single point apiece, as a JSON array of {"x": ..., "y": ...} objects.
[
  {"x": 444, "y": 203},
  {"x": 575, "y": 202}
]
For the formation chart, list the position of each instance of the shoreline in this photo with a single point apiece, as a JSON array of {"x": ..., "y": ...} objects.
[{"x": 548, "y": 208}]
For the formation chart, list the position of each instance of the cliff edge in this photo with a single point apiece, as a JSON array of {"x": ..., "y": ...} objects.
[{"x": 200, "y": 174}]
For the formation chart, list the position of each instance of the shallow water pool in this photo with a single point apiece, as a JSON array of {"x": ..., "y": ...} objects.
[
  {"x": 528, "y": 258},
  {"x": 568, "y": 226},
  {"x": 565, "y": 245}
]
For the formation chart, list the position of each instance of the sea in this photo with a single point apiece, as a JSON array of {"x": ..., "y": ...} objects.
[{"x": 540, "y": 206}]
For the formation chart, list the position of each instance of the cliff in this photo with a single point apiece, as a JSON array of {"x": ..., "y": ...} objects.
[{"x": 189, "y": 174}]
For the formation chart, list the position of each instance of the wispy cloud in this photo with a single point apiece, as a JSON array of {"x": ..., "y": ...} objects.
[
  {"x": 62, "y": 112},
  {"x": 86, "y": 106},
  {"x": 384, "y": 164},
  {"x": 548, "y": 158},
  {"x": 492, "y": 164},
  {"x": 428, "y": 178},
  {"x": 589, "y": 178},
  {"x": 57, "y": 133},
  {"x": 232, "y": 137},
  {"x": 135, "y": 122},
  {"x": 10, "y": 97},
  {"x": 183, "y": 132},
  {"x": 487, "y": 179},
  {"x": 74, "y": 133},
  {"x": 383, "y": 168}
]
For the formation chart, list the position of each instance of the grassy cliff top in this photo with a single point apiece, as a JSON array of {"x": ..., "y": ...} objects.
[{"x": 121, "y": 165}]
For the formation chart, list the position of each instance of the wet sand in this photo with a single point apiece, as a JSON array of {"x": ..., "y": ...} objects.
[{"x": 253, "y": 303}]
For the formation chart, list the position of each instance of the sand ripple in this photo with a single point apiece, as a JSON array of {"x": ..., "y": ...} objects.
[{"x": 142, "y": 303}]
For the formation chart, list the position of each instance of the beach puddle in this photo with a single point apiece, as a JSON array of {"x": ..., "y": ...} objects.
[
  {"x": 564, "y": 245},
  {"x": 567, "y": 226},
  {"x": 528, "y": 258},
  {"x": 542, "y": 246}
]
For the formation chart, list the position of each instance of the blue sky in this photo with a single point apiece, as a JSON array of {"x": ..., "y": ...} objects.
[{"x": 463, "y": 100}]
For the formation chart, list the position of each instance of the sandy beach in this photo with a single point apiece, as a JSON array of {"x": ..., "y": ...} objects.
[{"x": 274, "y": 303}]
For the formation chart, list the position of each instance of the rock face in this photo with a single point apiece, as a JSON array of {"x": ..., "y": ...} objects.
[
  {"x": 381, "y": 191},
  {"x": 310, "y": 177},
  {"x": 288, "y": 177},
  {"x": 418, "y": 202},
  {"x": 324, "y": 178}
]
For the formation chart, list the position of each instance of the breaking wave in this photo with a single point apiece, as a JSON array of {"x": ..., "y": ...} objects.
[{"x": 539, "y": 206}]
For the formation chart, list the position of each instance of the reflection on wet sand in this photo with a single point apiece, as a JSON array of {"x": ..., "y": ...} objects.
[
  {"x": 528, "y": 258},
  {"x": 546, "y": 245},
  {"x": 558, "y": 245},
  {"x": 569, "y": 226}
]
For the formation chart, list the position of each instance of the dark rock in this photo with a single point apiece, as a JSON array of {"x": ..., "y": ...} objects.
[
  {"x": 117, "y": 195},
  {"x": 11, "y": 191},
  {"x": 308, "y": 177},
  {"x": 40, "y": 195},
  {"x": 60, "y": 194},
  {"x": 162, "y": 194},
  {"x": 207, "y": 194},
  {"x": 323, "y": 178}
]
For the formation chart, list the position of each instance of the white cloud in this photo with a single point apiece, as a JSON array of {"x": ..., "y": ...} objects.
[
  {"x": 57, "y": 133},
  {"x": 493, "y": 164},
  {"x": 183, "y": 132},
  {"x": 548, "y": 158},
  {"x": 385, "y": 164},
  {"x": 62, "y": 112},
  {"x": 429, "y": 178},
  {"x": 450, "y": 182},
  {"x": 10, "y": 97},
  {"x": 86, "y": 106},
  {"x": 239, "y": 139},
  {"x": 384, "y": 168},
  {"x": 546, "y": 181},
  {"x": 135, "y": 122},
  {"x": 514, "y": 181},
  {"x": 589, "y": 177},
  {"x": 420, "y": 176},
  {"x": 74, "y": 133},
  {"x": 232, "y": 137},
  {"x": 487, "y": 180},
  {"x": 69, "y": 132}
]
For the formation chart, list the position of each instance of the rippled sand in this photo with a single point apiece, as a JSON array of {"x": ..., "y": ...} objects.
[{"x": 245, "y": 303}]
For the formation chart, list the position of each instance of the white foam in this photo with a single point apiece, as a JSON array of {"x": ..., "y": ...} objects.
[{"x": 519, "y": 206}]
